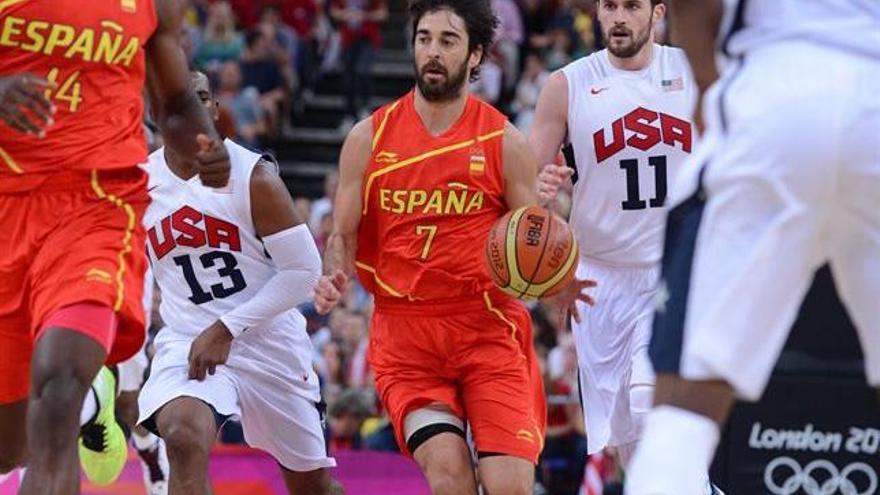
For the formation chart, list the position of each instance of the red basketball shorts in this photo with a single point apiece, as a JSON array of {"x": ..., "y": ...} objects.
[
  {"x": 70, "y": 241},
  {"x": 474, "y": 356}
]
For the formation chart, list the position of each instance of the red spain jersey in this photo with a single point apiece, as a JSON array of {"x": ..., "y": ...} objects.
[
  {"x": 429, "y": 203},
  {"x": 94, "y": 53}
]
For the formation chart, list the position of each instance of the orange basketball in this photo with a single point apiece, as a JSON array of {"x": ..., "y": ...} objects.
[{"x": 531, "y": 253}]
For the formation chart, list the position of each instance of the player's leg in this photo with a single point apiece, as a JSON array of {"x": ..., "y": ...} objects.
[
  {"x": 739, "y": 256},
  {"x": 316, "y": 482},
  {"x": 503, "y": 395},
  {"x": 855, "y": 239},
  {"x": 435, "y": 436},
  {"x": 16, "y": 342},
  {"x": 150, "y": 448},
  {"x": 280, "y": 412},
  {"x": 64, "y": 364},
  {"x": 15, "y": 352},
  {"x": 189, "y": 429},
  {"x": 13, "y": 448},
  {"x": 640, "y": 392},
  {"x": 505, "y": 474},
  {"x": 411, "y": 367}
]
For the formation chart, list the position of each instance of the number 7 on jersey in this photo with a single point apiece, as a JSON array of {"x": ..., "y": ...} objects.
[{"x": 431, "y": 230}]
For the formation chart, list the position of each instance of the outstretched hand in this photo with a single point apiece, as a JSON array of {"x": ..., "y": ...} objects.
[
  {"x": 550, "y": 179},
  {"x": 564, "y": 303}
]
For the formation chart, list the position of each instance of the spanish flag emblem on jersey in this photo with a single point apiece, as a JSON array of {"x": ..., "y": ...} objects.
[{"x": 477, "y": 163}]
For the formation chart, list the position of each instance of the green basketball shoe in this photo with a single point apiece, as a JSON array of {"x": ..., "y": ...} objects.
[{"x": 102, "y": 446}]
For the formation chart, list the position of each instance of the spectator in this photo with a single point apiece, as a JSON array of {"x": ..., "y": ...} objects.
[
  {"x": 303, "y": 207},
  {"x": 325, "y": 228},
  {"x": 260, "y": 64},
  {"x": 359, "y": 29},
  {"x": 282, "y": 36},
  {"x": 565, "y": 450},
  {"x": 508, "y": 40},
  {"x": 307, "y": 20},
  {"x": 220, "y": 41},
  {"x": 488, "y": 87},
  {"x": 324, "y": 205},
  {"x": 355, "y": 336},
  {"x": 559, "y": 54},
  {"x": 244, "y": 104},
  {"x": 333, "y": 373},
  {"x": 534, "y": 76},
  {"x": 347, "y": 414}
]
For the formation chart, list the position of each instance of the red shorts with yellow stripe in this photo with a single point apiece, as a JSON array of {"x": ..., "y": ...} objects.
[
  {"x": 474, "y": 356},
  {"x": 77, "y": 238}
]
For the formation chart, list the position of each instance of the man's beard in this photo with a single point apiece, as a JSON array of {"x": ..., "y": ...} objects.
[
  {"x": 630, "y": 50},
  {"x": 446, "y": 90}
]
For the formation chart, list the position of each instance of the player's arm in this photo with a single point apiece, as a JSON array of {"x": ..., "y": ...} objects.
[
  {"x": 520, "y": 169},
  {"x": 693, "y": 26},
  {"x": 185, "y": 124},
  {"x": 342, "y": 244},
  {"x": 547, "y": 134},
  {"x": 289, "y": 243}
]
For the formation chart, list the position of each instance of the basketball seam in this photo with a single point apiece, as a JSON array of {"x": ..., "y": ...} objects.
[
  {"x": 512, "y": 268},
  {"x": 540, "y": 256},
  {"x": 569, "y": 261},
  {"x": 492, "y": 265}
]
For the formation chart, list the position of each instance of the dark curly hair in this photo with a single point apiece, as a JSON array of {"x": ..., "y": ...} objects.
[{"x": 478, "y": 18}]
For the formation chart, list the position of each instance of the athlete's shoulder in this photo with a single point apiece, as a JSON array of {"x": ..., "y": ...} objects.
[
  {"x": 588, "y": 69},
  {"x": 156, "y": 160},
  {"x": 393, "y": 107},
  {"x": 672, "y": 54},
  {"x": 488, "y": 113}
]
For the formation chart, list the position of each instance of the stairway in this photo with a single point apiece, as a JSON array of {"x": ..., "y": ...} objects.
[{"x": 310, "y": 149}]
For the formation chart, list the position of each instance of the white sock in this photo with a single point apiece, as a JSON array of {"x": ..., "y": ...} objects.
[
  {"x": 89, "y": 409},
  {"x": 144, "y": 442},
  {"x": 674, "y": 453}
]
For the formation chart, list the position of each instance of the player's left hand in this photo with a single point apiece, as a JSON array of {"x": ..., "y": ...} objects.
[
  {"x": 211, "y": 348},
  {"x": 550, "y": 180},
  {"x": 212, "y": 162},
  {"x": 565, "y": 302}
]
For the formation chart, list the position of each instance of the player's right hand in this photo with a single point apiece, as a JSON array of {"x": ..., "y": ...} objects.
[
  {"x": 212, "y": 162},
  {"x": 564, "y": 303},
  {"x": 23, "y": 103},
  {"x": 550, "y": 179},
  {"x": 329, "y": 291}
]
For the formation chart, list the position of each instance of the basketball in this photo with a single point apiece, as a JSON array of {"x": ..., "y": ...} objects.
[{"x": 531, "y": 253}]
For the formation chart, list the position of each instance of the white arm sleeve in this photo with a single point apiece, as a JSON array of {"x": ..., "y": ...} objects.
[{"x": 299, "y": 268}]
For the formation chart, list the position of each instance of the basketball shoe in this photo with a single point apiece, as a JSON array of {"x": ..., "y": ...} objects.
[{"x": 102, "y": 445}]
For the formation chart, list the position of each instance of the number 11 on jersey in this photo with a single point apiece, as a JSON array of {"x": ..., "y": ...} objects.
[{"x": 431, "y": 230}]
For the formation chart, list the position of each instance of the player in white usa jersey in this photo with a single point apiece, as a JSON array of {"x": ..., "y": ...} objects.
[
  {"x": 786, "y": 180},
  {"x": 231, "y": 265},
  {"x": 625, "y": 111}
]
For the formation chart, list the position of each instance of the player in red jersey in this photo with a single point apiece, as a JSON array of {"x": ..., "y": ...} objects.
[
  {"x": 71, "y": 197},
  {"x": 421, "y": 183}
]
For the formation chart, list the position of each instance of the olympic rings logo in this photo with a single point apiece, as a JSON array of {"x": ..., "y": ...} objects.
[{"x": 857, "y": 478}]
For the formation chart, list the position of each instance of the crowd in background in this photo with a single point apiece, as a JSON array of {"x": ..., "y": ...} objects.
[{"x": 265, "y": 57}]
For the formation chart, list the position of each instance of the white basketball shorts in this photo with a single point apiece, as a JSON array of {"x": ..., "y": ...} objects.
[{"x": 787, "y": 180}]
